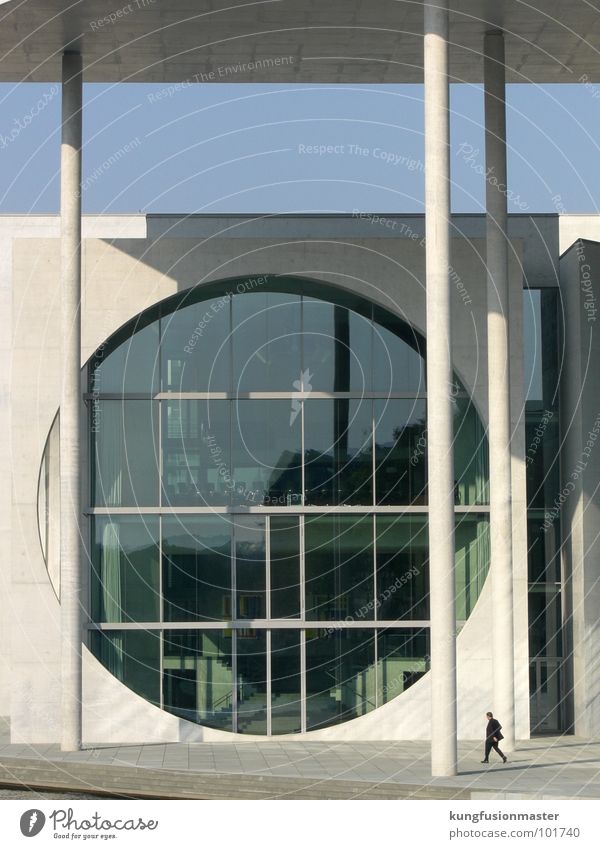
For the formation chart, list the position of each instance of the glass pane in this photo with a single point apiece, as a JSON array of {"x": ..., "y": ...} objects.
[
  {"x": 544, "y": 550},
  {"x": 402, "y": 567},
  {"x": 133, "y": 366},
  {"x": 252, "y": 681},
  {"x": 133, "y": 657},
  {"x": 337, "y": 348},
  {"x": 340, "y": 675},
  {"x": 125, "y": 452},
  {"x": 196, "y": 568},
  {"x": 339, "y": 567},
  {"x": 338, "y": 452},
  {"x": 198, "y": 678},
  {"x": 266, "y": 453},
  {"x": 401, "y": 452},
  {"x": 125, "y": 577},
  {"x": 285, "y": 567},
  {"x": 470, "y": 454},
  {"x": 250, "y": 567},
  {"x": 472, "y": 545},
  {"x": 403, "y": 658},
  {"x": 195, "y": 437},
  {"x": 397, "y": 367},
  {"x": 545, "y": 621},
  {"x": 196, "y": 346},
  {"x": 286, "y": 694},
  {"x": 266, "y": 342}
]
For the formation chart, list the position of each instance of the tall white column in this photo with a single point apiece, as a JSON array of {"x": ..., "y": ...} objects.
[
  {"x": 499, "y": 387},
  {"x": 70, "y": 403},
  {"x": 439, "y": 398}
]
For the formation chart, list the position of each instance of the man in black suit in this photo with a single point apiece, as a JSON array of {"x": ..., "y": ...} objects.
[{"x": 493, "y": 735}]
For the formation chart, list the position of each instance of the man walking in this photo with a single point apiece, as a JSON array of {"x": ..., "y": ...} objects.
[{"x": 493, "y": 735}]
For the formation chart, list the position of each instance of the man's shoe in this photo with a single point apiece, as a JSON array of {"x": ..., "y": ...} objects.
[
  {"x": 504, "y": 759},
  {"x": 485, "y": 762}
]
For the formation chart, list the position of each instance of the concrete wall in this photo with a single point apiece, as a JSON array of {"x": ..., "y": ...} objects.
[
  {"x": 125, "y": 272},
  {"x": 580, "y": 498}
]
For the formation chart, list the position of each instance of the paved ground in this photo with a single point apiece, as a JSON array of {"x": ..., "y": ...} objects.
[{"x": 550, "y": 767}]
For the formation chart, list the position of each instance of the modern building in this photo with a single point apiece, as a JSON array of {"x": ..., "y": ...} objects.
[{"x": 332, "y": 477}]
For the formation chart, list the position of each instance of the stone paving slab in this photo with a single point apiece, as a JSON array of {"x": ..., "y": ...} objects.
[{"x": 561, "y": 767}]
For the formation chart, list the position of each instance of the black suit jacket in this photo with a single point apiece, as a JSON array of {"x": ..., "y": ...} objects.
[{"x": 493, "y": 730}]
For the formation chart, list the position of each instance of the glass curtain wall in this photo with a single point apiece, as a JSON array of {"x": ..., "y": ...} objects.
[{"x": 259, "y": 507}]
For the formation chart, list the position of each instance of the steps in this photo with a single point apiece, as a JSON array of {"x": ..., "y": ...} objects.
[{"x": 139, "y": 783}]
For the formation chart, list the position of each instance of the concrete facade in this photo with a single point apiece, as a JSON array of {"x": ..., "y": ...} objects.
[{"x": 132, "y": 262}]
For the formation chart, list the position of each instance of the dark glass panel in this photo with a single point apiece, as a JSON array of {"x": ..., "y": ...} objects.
[
  {"x": 339, "y": 567},
  {"x": 471, "y": 469},
  {"x": 544, "y": 550},
  {"x": 403, "y": 658},
  {"x": 401, "y": 452},
  {"x": 196, "y": 568},
  {"x": 266, "y": 453},
  {"x": 545, "y": 621},
  {"x": 125, "y": 576},
  {"x": 286, "y": 693},
  {"x": 402, "y": 567},
  {"x": 340, "y": 675},
  {"x": 285, "y": 567},
  {"x": 250, "y": 567},
  {"x": 196, "y": 453},
  {"x": 542, "y": 455},
  {"x": 125, "y": 453},
  {"x": 133, "y": 366},
  {"x": 198, "y": 678},
  {"x": 196, "y": 346},
  {"x": 133, "y": 657},
  {"x": 337, "y": 348},
  {"x": 252, "y": 681},
  {"x": 338, "y": 452},
  {"x": 472, "y": 546},
  {"x": 266, "y": 342},
  {"x": 397, "y": 365}
]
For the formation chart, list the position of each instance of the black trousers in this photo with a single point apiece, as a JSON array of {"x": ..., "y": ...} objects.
[{"x": 489, "y": 745}]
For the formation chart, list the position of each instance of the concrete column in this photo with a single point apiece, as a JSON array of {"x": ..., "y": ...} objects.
[
  {"x": 439, "y": 399},
  {"x": 70, "y": 403},
  {"x": 499, "y": 387}
]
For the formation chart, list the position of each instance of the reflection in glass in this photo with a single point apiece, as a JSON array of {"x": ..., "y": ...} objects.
[
  {"x": 402, "y": 567},
  {"x": 339, "y": 567},
  {"x": 286, "y": 694},
  {"x": 472, "y": 545},
  {"x": 125, "y": 453},
  {"x": 338, "y": 450},
  {"x": 196, "y": 452},
  {"x": 337, "y": 347},
  {"x": 285, "y": 567},
  {"x": 198, "y": 678},
  {"x": 196, "y": 553},
  {"x": 397, "y": 363},
  {"x": 470, "y": 454},
  {"x": 133, "y": 657},
  {"x": 266, "y": 452},
  {"x": 403, "y": 658},
  {"x": 132, "y": 366},
  {"x": 400, "y": 451},
  {"x": 340, "y": 675},
  {"x": 252, "y": 682},
  {"x": 195, "y": 347},
  {"x": 266, "y": 342},
  {"x": 125, "y": 578},
  {"x": 250, "y": 567},
  {"x": 545, "y": 620}
]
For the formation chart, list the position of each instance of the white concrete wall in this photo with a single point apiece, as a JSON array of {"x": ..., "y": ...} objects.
[{"x": 124, "y": 275}]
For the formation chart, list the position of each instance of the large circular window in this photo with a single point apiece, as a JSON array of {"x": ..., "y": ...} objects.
[{"x": 259, "y": 506}]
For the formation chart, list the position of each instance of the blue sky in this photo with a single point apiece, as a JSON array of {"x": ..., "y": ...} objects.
[{"x": 251, "y": 148}]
